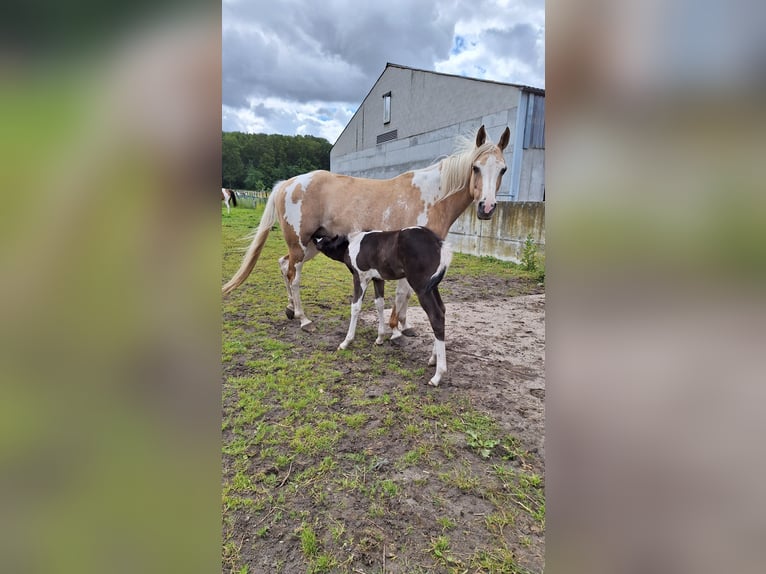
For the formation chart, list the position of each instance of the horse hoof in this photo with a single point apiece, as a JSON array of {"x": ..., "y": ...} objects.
[
  {"x": 308, "y": 327},
  {"x": 433, "y": 383},
  {"x": 290, "y": 313},
  {"x": 409, "y": 333}
]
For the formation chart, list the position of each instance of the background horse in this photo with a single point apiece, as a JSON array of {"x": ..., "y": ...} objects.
[
  {"x": 228, "y": 195},
  {"x": 415, "y": 254},
  {"x": 433, "y": 197}
]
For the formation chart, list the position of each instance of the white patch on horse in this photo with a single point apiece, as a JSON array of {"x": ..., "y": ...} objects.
[
  {"x": 427, "y": 181},
  {"x": 386, "y": 216},
  {"x": 293, "y": 206}
]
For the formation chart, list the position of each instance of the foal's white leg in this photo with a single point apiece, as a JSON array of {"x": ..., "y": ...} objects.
[
  {"x": 356, "y": 307},
  {"x": 439, "y": 354},
  {"x": 380, "y": 305}
]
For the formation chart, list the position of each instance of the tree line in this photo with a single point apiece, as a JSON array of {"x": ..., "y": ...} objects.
[{"x": 258, "y": 161}]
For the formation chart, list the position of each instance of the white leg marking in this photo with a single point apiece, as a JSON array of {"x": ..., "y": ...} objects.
[
  {"x": 356, "y": 307},
  {"x": 441, "y": 362},
  {"x": 283, "y": 268},
  {"x": 383, "y": 328}
]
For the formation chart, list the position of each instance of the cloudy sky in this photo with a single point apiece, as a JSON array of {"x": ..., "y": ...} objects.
[{"x": 304, "y": 67}]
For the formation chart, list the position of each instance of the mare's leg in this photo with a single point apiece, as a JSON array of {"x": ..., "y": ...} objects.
[
  {"x": 398, "y": 320},
  {"x": 430, "y": 301},
  {"x": 380, "y": 305},
  {"x": 356, "y": 307},
  {"x": 292, "y": 274},
  {"x": 283, "y": 265}
]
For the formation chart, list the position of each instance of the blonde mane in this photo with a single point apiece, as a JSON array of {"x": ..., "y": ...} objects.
[{"x": 456, "y": 168}]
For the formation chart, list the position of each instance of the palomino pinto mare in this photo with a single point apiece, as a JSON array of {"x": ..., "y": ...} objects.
[
  {"x": 433, "y": 197},
  {"x": 228, "y": 195},
  {"x": 415, "y": 254}
]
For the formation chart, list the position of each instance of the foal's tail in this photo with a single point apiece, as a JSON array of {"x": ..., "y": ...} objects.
[
  {"x": 253, "y": 252},
  {"x": 444, "y": 261},
  {"x": 233, "y": 197}
]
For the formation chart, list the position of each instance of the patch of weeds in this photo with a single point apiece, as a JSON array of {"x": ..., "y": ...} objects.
[
  {"x": 513, "y": 449},
  {"x": 242, "y": 482},
  {"x": 355, "y": 421},
  {"x": 436, "y": 411},
  {"x": 309, "y": 541},
  {"x": 497, "y": 521},
  {"x": 526, "y": 490},
  {"x": 337, "y": 531},
  {"x": 440, "y": 549},
  {"x": 445, "y": 523},
  {"x": 310, "y": 440},
  {"x": 481, "y": 444},
  {"x": 415, "y": 456},
  {"x": 322, "y": 563},
  {"x": 461, "y": 478},
  {"x": 389, "y": 488},
  {"x": 376, "y": 510},
  {"x": 413, "y": 430},
  {"x": 496, "y": 561}
]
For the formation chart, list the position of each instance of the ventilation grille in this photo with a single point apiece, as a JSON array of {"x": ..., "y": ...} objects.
[{"x": 387, "y": 137}]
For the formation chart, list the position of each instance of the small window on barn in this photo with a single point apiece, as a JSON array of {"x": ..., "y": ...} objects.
[
  {"x": 534, "y": 127},
  {"x": 387, "y": 108}
]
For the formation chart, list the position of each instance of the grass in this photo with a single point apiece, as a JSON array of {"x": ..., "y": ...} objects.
[{"x": 338, "y": 476}]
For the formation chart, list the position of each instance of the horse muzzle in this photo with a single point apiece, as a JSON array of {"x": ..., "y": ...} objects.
[{"x": 481, "y": 214}]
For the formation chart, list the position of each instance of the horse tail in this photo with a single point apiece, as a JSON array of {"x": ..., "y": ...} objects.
[
  {"x": 444, "y": 261},
  {"x": 259, "y": 240},
  {"x": 233, "y": 197}
]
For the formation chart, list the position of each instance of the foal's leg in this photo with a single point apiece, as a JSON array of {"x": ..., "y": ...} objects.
[
  {"x": 430, "y": 301},
  {"x": 399, "y": 311},
  {"x": 380, "y": 305},
  {"x": 356, "y": 307},
  {"x": 438, "y": 297}
]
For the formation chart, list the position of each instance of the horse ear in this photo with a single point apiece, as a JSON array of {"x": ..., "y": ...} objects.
[
  {"x": 504, "y": 139},
  {"x": 481, "y": 136}
]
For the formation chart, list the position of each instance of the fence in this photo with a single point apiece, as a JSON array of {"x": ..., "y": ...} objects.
[{"x": 248, "y": 198}]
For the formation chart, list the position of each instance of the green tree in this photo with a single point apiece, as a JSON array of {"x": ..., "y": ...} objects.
[{"x": 258, "y": 161}]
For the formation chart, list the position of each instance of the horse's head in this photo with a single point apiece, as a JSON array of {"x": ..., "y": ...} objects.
[
  {"x": 487, "y": 173},
  {"x": 334, "y": 246}
]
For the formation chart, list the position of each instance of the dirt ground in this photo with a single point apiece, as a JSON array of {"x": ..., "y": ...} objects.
[
  {"x": 496, "y": 354},
  {"x": 495, "y": 341}
]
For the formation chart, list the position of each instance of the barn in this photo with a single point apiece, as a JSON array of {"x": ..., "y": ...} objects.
[{"x": 410, "y": 118}]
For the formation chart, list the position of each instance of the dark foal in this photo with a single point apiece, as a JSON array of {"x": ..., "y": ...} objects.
[{"x": 415, "y": 254}]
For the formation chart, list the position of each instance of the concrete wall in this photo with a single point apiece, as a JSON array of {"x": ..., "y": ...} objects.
[{"x": 504, "y": 235}]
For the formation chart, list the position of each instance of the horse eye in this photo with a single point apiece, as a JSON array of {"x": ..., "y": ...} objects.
[
  {"x": 502, "y": 171},
  {"x": 475, "y": 169}
]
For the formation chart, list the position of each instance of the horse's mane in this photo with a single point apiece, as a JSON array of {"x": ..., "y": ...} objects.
[{"x": 456, "y": 168}]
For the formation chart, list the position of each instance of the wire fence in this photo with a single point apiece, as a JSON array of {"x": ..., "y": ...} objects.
[{"x": 250, "y": 198}]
